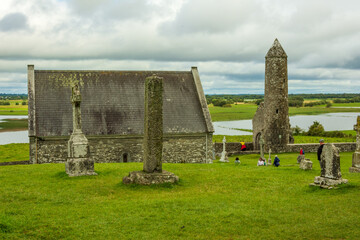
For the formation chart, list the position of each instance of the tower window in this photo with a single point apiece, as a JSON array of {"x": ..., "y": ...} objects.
[{"x": 277, "y": 110}]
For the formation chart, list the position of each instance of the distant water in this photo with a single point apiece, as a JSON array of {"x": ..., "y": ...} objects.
[
  {"x": 330, "y": 121},
  {"x": 13, "y": 137}
]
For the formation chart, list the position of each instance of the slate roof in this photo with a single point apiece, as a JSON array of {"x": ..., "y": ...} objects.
[{"x": 113, "y": 102}]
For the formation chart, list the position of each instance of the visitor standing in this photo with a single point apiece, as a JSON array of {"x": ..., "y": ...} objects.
[{"x": 319, "y": 151}]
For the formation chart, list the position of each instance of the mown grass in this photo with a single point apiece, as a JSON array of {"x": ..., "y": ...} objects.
[
  {"x": 211, "y": 201},
  {"x": 14, "y": 152},
  {"x": 247, "y": 111},
  {"x": 14, "y": 109},
  {"x": 13, "y": 125}
]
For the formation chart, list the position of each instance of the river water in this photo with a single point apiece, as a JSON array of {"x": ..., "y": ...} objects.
[
  {"x": 13, "y": 137},
  {"x": 330, "y": 121}
]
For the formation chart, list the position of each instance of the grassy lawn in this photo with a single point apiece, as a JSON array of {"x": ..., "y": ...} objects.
[
  {"x": 211, "y": 201},
  {"x": 14, "y": 152},
  {"x": 247, "y": 111},
  {"x": 14, "y": 109}
]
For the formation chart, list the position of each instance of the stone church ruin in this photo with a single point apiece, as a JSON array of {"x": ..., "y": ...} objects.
[
  {"x": 112, "y": 113},
  {"x": 271, "y": 120}
]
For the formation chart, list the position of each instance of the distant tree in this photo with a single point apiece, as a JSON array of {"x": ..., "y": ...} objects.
[
  {"x": 23, "y": 103},
  {"x": 16, "y": 103},
  {"x": 258, "y": 101},
  {"x": 316, "y": 129},
  {"x": 328, "y": 104},
  {"x": 219, "y": 102},
  {"x": 296, "y": 130}
]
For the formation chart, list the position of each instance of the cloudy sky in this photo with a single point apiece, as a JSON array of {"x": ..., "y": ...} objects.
[{"x": 227, "y": 40}]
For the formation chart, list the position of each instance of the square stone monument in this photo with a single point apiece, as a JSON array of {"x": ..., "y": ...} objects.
[
  {"x": 78, "y": 162},
  {"x": 153, "y": 138},
  {"x": 356, "y": 155},
  {"x": 305, "y": 164},
  {"x": 330, "y": 171}
]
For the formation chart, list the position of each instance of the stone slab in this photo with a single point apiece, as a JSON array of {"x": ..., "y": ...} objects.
[
  {"x": 354, "y": 170},
  {"x": 79, "y": 167},
  {"x": 356, "y": 160},
  {"x": 144, "y": 178},
  {"x": 328, "y": 183},
  {"x": 306, "y": 164}
]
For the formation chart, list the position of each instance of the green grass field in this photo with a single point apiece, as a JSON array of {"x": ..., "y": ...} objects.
[
  {"x": 211, "y": 201},
  {"x": 14, "y": 152},
  {"x": 14, "y": 109}
]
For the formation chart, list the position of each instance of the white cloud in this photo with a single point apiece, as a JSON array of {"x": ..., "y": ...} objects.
[{"x": 226, "y": 39}]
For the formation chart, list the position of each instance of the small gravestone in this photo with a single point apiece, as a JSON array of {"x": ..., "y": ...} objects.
[
  {"x": 355, "y": 168},
  {"x": 224, "y": 155},
  {"x": 306, "y": 164},
  {"x": 300, "y": 158},
  {"x": 78, "y": 162},
  {"x": 153, "y": 138},
  {"x": 330, "y": 171},
  {"x": 269, "y": 159}
]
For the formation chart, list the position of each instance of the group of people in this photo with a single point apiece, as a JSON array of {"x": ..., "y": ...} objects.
[{"x": 262, "y": 162}]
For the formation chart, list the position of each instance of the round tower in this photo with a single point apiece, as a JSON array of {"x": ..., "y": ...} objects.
[{"x": 276, "y": 110}]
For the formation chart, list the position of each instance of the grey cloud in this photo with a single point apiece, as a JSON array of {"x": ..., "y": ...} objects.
[
  {"x": 13, "y": 22},
  {"x": 209, "y": 17},
  {"x": 109, "y": 10}
]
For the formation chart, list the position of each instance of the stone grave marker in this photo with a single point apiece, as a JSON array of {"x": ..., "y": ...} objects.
[
  {"x": 356, "y": 155},
  {"x": 224, "y": 155},
  {"x": 153, "y": 138},
  {"x": 305, "y": 164},
  {"x": 78, "y": 162},
  {"x": 330, "y": 171}
]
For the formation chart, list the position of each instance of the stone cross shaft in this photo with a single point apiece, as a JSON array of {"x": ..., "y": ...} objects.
[
  {"x": 153, "y": 124},
  {"x": 224, "y": 143},
  {"x": 357, "y": 129},
  {"x": 76, "y": 101}
]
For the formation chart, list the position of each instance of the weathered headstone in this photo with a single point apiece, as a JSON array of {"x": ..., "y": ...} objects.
[
  {"x": 356, "y": 155},
  {"x": 224, "y": 156},
  {"x": 330, "y": 171},
  {"x": 269, "y": 159},
  {"x": 78, "y": 162},
  {"x": 153, "y": 138},
  {"x": 306, "y": 164},
  {"x": 300, "y": 158}
]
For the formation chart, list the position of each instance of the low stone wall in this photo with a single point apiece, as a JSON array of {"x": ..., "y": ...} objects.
[
  {"x": 313, "y": 147},
  {"x": 232, "y": 147},
  {"x": 176, "y": 149}
]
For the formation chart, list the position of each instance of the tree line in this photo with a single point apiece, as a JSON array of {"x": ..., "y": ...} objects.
[{"x": 294, "y": 100}]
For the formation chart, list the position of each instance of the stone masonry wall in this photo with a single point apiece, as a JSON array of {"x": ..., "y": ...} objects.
[
  {"x": 234, "y": 147},
  {"x": 343, "y": 147},
  {"x": 176, "y": 149}
]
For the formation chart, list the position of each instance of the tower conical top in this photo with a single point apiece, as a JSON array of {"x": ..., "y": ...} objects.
[{"x": 276, "y": 50}]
